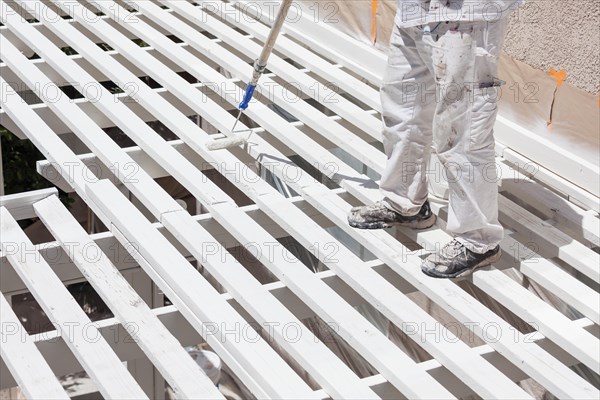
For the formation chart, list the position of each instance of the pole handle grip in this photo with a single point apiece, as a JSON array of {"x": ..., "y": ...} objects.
[{"x": 247, "y": 96}]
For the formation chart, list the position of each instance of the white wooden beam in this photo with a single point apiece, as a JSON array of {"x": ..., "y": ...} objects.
[
  {"x": 322, "y": 355},
  {"x": 535, "y": 170},
  {"x": 551, "y": 241},
  {"x": 24, "y": 361},
  {"x": 192, "y": 294},
  {"x": 81, "y": 335},
  {"x": 311, "y": 34},
  {"x": 178, "y": 125},
  {"x": 332, "y": 208},
  {"x": 579, "y": 223},
  {"x": 319, "y": 65},
  {"x": 544, "y": 152},
  {"x": 304, "y": 152},
  {"x": 567, "y": 288},
  {"x": 162, "y": 349},
  {"x": 20, "y": 205},
  {"x": 581, "y": 344}
]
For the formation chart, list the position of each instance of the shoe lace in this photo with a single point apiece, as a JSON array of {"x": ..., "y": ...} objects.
[{"x": 454, "y": 248}]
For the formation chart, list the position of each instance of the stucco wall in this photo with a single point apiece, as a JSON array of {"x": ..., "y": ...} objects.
[{"x": 560, "y": 34}]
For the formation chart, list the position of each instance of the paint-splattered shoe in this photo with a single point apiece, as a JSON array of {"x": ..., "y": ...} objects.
[
  {"x": 378, "y": 216},
  {"x": 454, "y": 260}
]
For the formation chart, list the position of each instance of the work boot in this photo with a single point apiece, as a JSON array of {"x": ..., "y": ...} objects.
[
  {"x": 455, "y": 260},
  {"x": 378, "y": 216}
]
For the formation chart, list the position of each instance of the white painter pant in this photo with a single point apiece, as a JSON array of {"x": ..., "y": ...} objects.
[{"x": 440, "y": 91}]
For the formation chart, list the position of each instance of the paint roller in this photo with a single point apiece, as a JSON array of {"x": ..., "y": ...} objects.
[{"x": 259, "y": 67}]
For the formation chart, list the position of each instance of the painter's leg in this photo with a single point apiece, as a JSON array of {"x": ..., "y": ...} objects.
[
  {"x": 408, "y": 99},
  {"x": 464, "y": 59}
]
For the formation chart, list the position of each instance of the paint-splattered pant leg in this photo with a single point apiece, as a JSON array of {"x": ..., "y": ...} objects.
[
  {"x": 461, "y": 59},
  {"x": 408, "y": 105}
]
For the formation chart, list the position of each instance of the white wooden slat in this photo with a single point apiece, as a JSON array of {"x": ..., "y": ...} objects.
[
  {"x": 57, "y": 41},
  {"x": 81, "y": 61},
  {"x": 318, "y": 91},
  {"x": 103, "y": 99},
  {"x": 566, "y": 287},
  {"x": 62, "y": 156},
  {"x": 162, "y": 349},
  {"x": 290, "y": 48},
  {"x": 579, "y": 196},
  {"x": 544, "y": 152},
  {"x": 49, "y": 171},
  {"x": 175, "y": 172},
  {"x": 20, "y": 204},
  {"x": 430, "y": 387},
  {"x": 543, "y": 271},
  {"x": 121, "y": 164},
  {"x": 302, "y": 110},
  {"x": 312, "y": 354},
  {"x": 581, "y": 344},
  {"x": 80, "y": 334},
  {"x": 31, "y": 372},
  {"x": 88, "y": 108},
  {"x": 533, "y": 355},
  {"x": 310, "y": 33},
  {"x": 571, "y": 218},
  {"x": 558, "y": 243},
  {"x": 218, "y": 317},
  {"x": 321, "y": 354}
]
